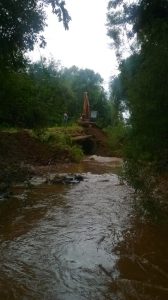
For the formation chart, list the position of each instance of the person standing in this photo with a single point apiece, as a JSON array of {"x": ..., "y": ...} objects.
[{"x": 65, "y": 118}]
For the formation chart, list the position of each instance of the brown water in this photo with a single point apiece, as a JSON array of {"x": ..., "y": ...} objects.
[{"x": 80, "y": 242}]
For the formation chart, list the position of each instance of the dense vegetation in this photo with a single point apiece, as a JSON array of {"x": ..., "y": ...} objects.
[
  {"x": 36, "y": 95},
  {"x": 21, "y": 26},
  {"x": 39, "y": 95},
  {"x": 141, "y": 88}
]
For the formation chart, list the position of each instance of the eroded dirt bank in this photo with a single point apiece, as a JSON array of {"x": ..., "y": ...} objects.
[
  {"x": 22, "y": 155},
  {"x": 22, "y": 147}
]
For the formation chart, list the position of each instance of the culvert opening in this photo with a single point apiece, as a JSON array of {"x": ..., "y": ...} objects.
[{"x": 88, "y": 146}]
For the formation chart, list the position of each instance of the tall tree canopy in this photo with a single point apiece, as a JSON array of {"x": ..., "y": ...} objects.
[
  {"x": 144, "y": 74},
  {"x": 21, "y": 25},
  {"x": 40, "y": 94},
  {"x": 141, "y": 21}
]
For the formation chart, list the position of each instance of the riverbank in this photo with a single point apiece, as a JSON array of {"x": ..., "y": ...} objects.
[
  {"x": 26, "y": 153},
  {"x": 21, "y": 154},
  {"x": 23, "y": 147}
]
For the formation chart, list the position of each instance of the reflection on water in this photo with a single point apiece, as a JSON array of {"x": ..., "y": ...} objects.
[{"x": 80, "y": 242}]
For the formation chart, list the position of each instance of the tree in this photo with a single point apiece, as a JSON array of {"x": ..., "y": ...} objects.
[
  {"x": 21, "y": 24},
  {"x": 53, "y": 90},
  {"x": 143, "y": 75},
  {"x": 121, "y": 17},
  {"x": 20, "y": 104},
  {"x": 136, "y": 23},
  {"x": 80, "y": 81},
  {"x": 117, "y": 99}
]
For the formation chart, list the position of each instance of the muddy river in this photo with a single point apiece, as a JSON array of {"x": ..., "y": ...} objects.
[{"x": 80, "y": 241}]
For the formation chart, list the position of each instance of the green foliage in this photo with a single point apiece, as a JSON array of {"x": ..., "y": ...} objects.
[
  {"x": 144, "y": 80},
  {"x": 56, "y": 137},
  {"x": 151, "y": 195},
  {"x": 59, "y": 138},
  {"x": 117, "y": 137},
  {"x": 121, "y": 17},
  {"x": 20, "y": 103},
  {"x": 39, "y": 96},
  {"x": 132, "y": 24},
  {"x": 147, "y": 93},
  {"x": 21, "y": 22},
  {"x": 76, "y": 153},
  {"x": 118, "y": 130},
  {"x": 80, "y": 81},
  {"x": 117, "y": 100}
]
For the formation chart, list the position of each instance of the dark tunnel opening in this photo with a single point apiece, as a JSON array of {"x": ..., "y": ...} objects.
[{"x": 88, "y": 146}]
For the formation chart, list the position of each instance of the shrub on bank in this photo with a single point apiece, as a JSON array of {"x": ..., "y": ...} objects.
[
  {"x": 117, "y": 136},
  {"x": 60, "y": 137},
  {"x": 151, "y": 191}
]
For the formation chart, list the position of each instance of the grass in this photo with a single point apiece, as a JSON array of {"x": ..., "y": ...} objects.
[
  {"x": 116, "y": 139},
  {"x": 9, "y": 129},
  {"x": 70, "y": 130},
  {"x": 60, "y": 137}
]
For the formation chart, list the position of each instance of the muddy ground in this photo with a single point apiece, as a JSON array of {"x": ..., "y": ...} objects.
[
  {"x": 22, "y": 147},
  {"x": 23, "y": 155}
]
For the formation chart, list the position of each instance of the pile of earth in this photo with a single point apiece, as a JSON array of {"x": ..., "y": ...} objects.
[
  {"x": 21, "y": 154},
  {"x": 101, "y": 140},
  {"x": 22, "y": 147}
]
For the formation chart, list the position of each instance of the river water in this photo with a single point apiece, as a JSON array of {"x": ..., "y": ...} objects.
[{"x": 82, "y": 241}]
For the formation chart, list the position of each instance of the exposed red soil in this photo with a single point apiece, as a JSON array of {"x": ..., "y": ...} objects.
[
  {"x": 21, "y": 154},
  {"x": 21, "y": 147},
  {"x": 101, "y": 140}
]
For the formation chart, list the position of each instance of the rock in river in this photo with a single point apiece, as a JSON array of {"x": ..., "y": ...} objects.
[{"x": 66, "y": 179}]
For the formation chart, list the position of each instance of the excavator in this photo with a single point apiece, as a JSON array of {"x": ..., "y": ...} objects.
[{"x": 86, "y": 116}]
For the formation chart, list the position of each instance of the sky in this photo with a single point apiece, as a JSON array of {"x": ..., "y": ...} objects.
[{"x": 85, "y": 44}]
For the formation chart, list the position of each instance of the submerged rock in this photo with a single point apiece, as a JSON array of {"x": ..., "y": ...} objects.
[{"x": 66, "y": 179}]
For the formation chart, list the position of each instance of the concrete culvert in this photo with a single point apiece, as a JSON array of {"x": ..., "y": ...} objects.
[{"x": 88, "y": 146}]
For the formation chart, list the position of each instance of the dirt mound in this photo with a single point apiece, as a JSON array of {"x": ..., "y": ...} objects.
[
  {"x": 101, "y": 140},
  {"x": 22, "y": 147}
]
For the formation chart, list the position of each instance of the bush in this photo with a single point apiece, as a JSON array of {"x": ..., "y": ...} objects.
[
  {"x": 59, "y": 138},
  {"x": 116, "y": 138},
  {"x": 76, "y": 153},
  {"x": 150, "y": 188}
]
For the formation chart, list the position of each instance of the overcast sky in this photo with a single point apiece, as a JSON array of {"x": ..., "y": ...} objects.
[{"x": 85, "y": 44}]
